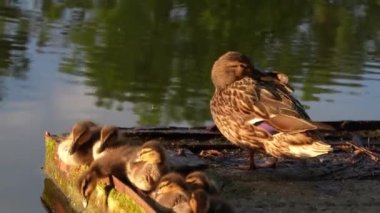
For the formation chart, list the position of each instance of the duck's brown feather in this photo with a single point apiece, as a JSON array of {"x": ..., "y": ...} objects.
[{"x": 237, "y": 108}]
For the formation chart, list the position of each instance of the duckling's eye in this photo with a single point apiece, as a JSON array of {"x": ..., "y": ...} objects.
[
  {"x": 243, "y": 66},
  {"x": 163, "y": 184},
  {"x": 155, "y": 155},
  {"x": 145, "y": 151},
  {"x": 112, "y": 135},
  {"x": 81, "y": 135},
  {"x": 191, "y": 180}
]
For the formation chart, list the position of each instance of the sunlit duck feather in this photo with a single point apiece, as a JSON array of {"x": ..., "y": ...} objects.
[
  {"x": 76, "y": 149},
  {"x": 172, "y": 193},
  {"x": 261, "y": 115},
  {"x": 148, "y": 165}
]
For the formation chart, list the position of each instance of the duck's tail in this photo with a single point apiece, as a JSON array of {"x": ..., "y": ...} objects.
[{"x": 310, "y": 150}]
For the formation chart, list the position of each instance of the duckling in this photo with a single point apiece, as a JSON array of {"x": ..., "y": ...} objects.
[
  {"x": 201, "y": 202},
  {"x": 172, "y": 193},
  {"x": 199, "y": 180},
  {"x": 112, "y": 163},
  {"x": 148, "y": 166},
  {"x": 76, "y": 149},
  {"x": 109, "y": 139},
  {"x": 261, "y": 116}
]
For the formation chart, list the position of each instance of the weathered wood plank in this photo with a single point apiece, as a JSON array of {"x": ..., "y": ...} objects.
[{"x": 237, "y": 185}]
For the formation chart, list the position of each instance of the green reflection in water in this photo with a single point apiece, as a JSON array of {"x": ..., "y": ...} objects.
[{"x": 158, "y": 54}]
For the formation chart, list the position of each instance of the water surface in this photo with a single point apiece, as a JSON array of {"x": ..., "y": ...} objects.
[{"x": 134, "y": 63}]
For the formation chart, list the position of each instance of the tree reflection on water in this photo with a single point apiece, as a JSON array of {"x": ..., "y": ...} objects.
[{"x": 158, "y": 54}]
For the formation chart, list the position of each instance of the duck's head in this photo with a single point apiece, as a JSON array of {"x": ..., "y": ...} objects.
[
  {"x": 81, "y": 134},
  {"x": 151, "y": 152},
  {"x": 86, "y": 185},
  {"x": 108, "y": 136},
  {"x": 171, "y": 182},
  {"x": 230, "y": 67},
  {"x": 199, "y": 201},
  {"x": 198, "y": 180}
]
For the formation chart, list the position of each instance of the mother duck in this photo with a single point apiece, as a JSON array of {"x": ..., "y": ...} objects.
[{"x": 261, "y": 115}]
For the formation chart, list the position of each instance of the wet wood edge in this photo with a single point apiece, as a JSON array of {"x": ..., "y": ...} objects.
[
  {"x": 353, "y": 125},
  {"x": 142, "y": 201},
  {"x": 208, "y": 133},
  {"x": 212, "y": 131},
  {"x": 344, "y": 131}
]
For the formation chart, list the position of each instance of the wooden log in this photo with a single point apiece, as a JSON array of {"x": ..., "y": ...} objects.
[
  {"x": 105, "y": 198},
  {"x": 121, "y": 196},
  {"x": 111, "y": 194}
]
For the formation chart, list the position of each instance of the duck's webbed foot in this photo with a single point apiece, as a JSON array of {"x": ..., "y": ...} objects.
[
  {"x": 252, "y": 165},
  {"x": 270, "y": 162}
]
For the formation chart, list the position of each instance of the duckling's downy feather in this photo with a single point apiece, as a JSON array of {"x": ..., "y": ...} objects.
[
  {"x": 172, "y": 194},
  {"x": 147, "y": 166},
  {"x": 76, "y": 149}
]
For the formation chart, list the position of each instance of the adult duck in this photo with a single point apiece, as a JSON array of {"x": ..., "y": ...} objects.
[{"x": 261, "y": 115}]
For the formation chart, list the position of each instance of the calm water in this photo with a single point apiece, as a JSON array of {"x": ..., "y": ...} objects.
[{"x": 130, "y": 63}]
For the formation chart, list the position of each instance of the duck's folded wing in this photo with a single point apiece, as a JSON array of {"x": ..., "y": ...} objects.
[
  {"x": 286, "y": 123},
  {"x": 278, "y": 109}
]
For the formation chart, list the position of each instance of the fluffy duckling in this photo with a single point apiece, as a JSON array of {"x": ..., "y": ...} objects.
[
  {"x": 199, "y": 180},
  {"x": 261, "y": 115},
  {"x": 109, "y": 139},
  {"x": 148, "y": 166},
  {"x": 172, "y": 193},
  {"x": 201, "y": 202},
  {"x": 76, "y": 149},
  {"x": 112, "y": 163}
]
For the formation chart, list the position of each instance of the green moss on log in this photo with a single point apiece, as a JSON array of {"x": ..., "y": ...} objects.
[
  {"x": 118, "y": 202},
  {"x": 66, "y": 181}
]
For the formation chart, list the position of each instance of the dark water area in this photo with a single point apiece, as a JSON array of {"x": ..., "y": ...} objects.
[{"x": 147, "y": 63}]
